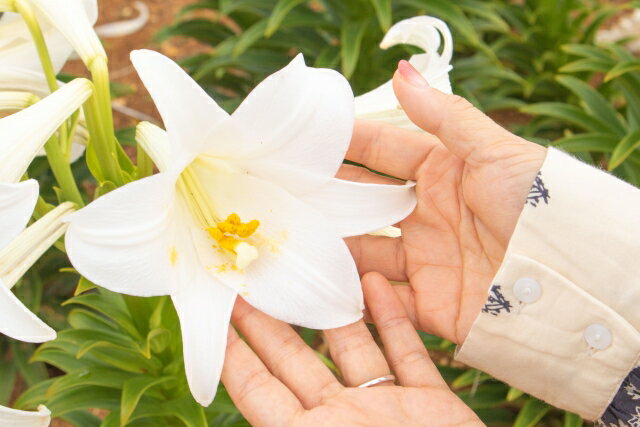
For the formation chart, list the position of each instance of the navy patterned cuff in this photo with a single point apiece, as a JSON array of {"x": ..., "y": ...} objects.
[{"x": 624, "y": 409}]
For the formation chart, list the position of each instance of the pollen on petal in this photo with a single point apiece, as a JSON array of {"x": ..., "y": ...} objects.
[{"x": 174, "y": 256}]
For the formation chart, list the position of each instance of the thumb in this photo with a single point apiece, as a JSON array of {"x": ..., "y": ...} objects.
[{"x": 463, "y": 129}]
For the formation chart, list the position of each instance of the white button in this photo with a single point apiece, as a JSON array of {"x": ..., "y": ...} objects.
[
  {"x": 527, "y": 290},
  {"x": 598, "y": 336}
]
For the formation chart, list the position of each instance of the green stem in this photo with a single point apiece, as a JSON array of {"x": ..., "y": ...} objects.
[
  {"x": 30, "y": 19},
  {"x": 100, "y": 122},
  {"x": 145, "y": 164},
  {"x": 62, "y": 171}
]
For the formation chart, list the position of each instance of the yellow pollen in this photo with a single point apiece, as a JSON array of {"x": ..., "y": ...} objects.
[
  {"x": 174, "y": 256},
  {"x": 229, "y": 233}
]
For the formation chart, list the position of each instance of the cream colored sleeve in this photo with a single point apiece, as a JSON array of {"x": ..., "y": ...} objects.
[{"x": 562, "y": 318}]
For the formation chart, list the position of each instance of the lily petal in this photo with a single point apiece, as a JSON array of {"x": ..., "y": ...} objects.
[
  {"x": 358, "y": 208},
  {"x": 427, "y": 33},
  {"x": 25, "y": 55},
  {"x": 17, "y": 202},
  {"x": 15, "y": 418},
  {"x": 299, "y": 121},
  {"x": 304, "y": 273},
  {"x": 25, "y": 133},
  {"x": 21, "y": 79},
  {"x": 17, "y": 322},
  {"x": 172, "y": 89},
  {"x": 75, "y": 22},
  {"x": 125, "y": 240},
  {"x": 155, "y": 142},
  {"x": 204, "y": 307}
]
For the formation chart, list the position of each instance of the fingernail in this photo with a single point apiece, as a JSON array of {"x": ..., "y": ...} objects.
[{"x": 411, "y": 75}]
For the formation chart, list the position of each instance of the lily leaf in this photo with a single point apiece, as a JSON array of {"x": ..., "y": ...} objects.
[
  {"x": 383, "y": 11},
  {"x": 624, "y": 149},
  {"x": 351, "y": 38},
  {"x": 133, "y": 390},
  {"x": 622, "y": 68},
  {"x": 531, "y": 413},
  {"x": 597, "y": 104},
  {"x": 279, "y": 13}
]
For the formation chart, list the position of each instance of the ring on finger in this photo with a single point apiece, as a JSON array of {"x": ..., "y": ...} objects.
[{"x": 378, "y": 380}]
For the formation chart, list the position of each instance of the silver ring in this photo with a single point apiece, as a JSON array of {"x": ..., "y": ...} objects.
[{"x": 378, "y": 380}]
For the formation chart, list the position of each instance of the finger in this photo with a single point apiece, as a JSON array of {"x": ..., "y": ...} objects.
[
  {"x": 382, "y": 254},
  {"x": 405, "y": 351},
  {"x": 407, "y": 297},
  {"x": 356, "y": 354},
  {"x": 286, "y": 355},
  {"x": 465, "y": 130},
  {"x": 388, "y": 149},
  {"x": 360, "y": 174},
  {"x": 262, "y": 399}
]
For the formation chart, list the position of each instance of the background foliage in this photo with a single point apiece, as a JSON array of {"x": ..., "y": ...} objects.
[{"x": 531, "y": 64}]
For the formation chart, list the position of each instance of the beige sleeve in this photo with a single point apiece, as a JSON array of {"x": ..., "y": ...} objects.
[{"x": 562, "y": 318}]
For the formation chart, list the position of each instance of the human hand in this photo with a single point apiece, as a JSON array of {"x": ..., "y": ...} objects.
[
  {"x": 473, "y": 178},
  {"x": 292, "y": 387}
]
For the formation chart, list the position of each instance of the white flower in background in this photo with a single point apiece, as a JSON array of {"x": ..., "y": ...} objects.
[
  {"x": 66, "y": 25},
  {"x": 427, "y": 33},
  {"x": 245, "y": 204},
  {"x": 15, "y": 418},
  {"x": 23, "y": 136},
  {"x": 128, "y": 26},
  {"x": 16, "y": 321}
]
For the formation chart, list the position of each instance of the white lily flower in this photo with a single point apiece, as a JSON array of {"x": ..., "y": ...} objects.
[
  {"x": 128, "y": 26},
  {"x": 244, "y": 204},
  {"x": 65, "y": 25},
  {"x": 426, "y": 33},
  {"x": 15, "y": 80},
  {"x": 23, "y": 136},
  {"x": 15, "y": 418},
  {"x": 16, "y": 321}
]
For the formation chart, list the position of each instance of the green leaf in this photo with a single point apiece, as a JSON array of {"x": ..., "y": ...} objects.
[
  {"x": 248, "y": 38},
  {"x": 621, "y": 68},
  {"x": 94, "y": 376},
  {"x": 470, "y": 377},
  {"x": 586, "y": 64},
  {"x": 624, "y": 149},
  {"x": 568, "y": 113},
  {"x": 383, "y": 12},
  {"x": 132, "y": 391},
  {"x": 185, "y": 409},
  {"x": 84, "y": 398},
  {"x": 597, "y": 104},
  {"x": 572, "y": 420},
  {"x": 279, "y": 13},
  {"x": 514, "y": 394},
  {"x": 351, "y": 39},
  {"x": 532, "y": 412},
  {"x": 585, "y": 142},
  {"x": 84, "y": 285},
  {"x": 587, "y": 51},
  {"x": 8, "y": 374}
]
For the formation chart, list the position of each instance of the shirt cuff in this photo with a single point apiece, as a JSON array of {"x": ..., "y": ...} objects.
[{"x": 561, "y": 320}]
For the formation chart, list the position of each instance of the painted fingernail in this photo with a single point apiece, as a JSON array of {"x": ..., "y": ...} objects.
[{"x": 411, "y": 75}]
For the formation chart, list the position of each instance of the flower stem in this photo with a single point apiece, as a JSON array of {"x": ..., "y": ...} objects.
[
  {"x": 30, "y": 19},
  {"x": 62, "y": 171},
  {"x": 100, "y": 122},
  {"x": 145, "y": 164}
]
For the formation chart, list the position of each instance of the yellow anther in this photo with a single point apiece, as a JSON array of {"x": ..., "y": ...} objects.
[
  {"x": 228, "y": 235},
  {"x": 246, "y": 230}
]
